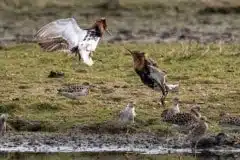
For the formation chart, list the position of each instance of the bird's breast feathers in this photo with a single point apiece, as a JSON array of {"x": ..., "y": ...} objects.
[{"x": 89, "y": 41}]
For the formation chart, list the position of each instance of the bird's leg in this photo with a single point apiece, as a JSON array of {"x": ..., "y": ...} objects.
[
  {"x": 127, "y": 131},
  {"x": 162, "y": 100},
  {"x": 79, "y": 56},
  {"x": 133, "y": 120},
  {"x": 91, "y": 54},
  {"x": 195, "y": 148},
  {"x": 167, "y": 135},
  {"x": 164, "y": 91}
]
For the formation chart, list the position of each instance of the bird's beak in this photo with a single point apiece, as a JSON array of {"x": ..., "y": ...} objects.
[
  {"x": 108, "y": 32},
  {"x": 129, "y": 51}
]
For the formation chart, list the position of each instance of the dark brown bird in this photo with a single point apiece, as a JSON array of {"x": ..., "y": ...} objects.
[{"x": 149, "y": 73}]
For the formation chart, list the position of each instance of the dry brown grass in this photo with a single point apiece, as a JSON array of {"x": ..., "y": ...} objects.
[{"x": 221, "y": 3}]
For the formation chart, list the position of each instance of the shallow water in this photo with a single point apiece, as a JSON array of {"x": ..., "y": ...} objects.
[{"x": 113, "y": 156}]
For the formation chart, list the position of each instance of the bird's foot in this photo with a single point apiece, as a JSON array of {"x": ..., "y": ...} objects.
[{"x": 161, "y": 103}]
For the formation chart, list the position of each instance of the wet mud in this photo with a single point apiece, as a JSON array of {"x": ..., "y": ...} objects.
[{"x": 77, "y": 141}]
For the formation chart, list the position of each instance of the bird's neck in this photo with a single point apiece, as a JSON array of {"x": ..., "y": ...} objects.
[
  {"x": 96, "y": 30},
  {"x": 139, "y": 64},
  {"x": 176, "y": 107}
]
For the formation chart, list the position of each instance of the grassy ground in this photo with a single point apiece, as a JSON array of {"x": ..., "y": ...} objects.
[{"x": 207, "y": 74}]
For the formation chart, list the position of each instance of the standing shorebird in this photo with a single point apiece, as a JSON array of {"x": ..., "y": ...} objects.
[
  {"x": 198, "y": 132},
  {"x": 149, "y": 74},
  {"x": 128, "y": 114},
  {"x": 3, "y": 124},
  {"x": 65, "y": 34},
  {"x": 185, "y": 121},
  {"x": 170, "y": 112},
  {"x": 229, "y": 122},
  {"x": 195, "y": 110}
]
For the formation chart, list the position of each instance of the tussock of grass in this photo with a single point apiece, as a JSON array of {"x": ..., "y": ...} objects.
[
  {"x": 8, "y": 108},
  {"x": 203, "y": 73}
]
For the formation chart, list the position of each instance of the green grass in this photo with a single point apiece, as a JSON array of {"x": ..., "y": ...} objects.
[{"x": 207, "y": 74}]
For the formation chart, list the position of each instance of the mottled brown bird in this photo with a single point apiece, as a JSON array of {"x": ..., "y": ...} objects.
[
  {"x": 149, "y": 74},
  {"x": 198, "y": 131},
  {"x": 170, "y": 112},
  {"x": 195, "y": 110},
  {"x": 185, "y": 121},
  {"x": 74, "y": 91},
  {"x": 229, "y": 122},
  {"x": 226, "y": 118}
]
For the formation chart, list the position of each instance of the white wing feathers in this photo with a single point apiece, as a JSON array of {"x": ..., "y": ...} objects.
[{"x": 67, "y": 29}]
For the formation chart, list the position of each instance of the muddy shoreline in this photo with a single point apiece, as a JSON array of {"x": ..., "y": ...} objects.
[{"x": 148, "y": 143}]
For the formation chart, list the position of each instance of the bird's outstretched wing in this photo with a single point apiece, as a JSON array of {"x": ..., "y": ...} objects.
[
  {"x": 157, "y": 74},
  {"x": 152, "y": 62},
  {"x": 62, "y": 33}
]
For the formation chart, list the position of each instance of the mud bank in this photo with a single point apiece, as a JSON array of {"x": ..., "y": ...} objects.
[{"x": 81, "y": 142}]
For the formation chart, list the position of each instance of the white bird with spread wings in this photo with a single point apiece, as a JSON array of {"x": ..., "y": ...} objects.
[{"x": 65, "y": 34}]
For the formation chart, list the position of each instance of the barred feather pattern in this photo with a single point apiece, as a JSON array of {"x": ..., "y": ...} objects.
[
  {"x": 73, "y": 88},
  {"x": 231, "y": 120},
  {"x": 53, "y": 44}
]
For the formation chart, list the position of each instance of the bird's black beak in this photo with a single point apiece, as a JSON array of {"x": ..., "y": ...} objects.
[{"x": 129, "y": 51}]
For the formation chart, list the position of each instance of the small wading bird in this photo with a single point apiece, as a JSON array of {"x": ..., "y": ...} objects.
[
  {"x": 74, "y": 91},
  {"x": 149, "y": 74},
  {"x": 127, "y": 114},
  {"x": 195, "y": 110},
  {"x": 229, "y": 122},
  {"x": 170, "y": 112},
  {"x": 65, "y": 34},
  {"x": 184, "y": 121},
  {"x": 3, "y": 124},
  {"x": 198, "y": 132}
]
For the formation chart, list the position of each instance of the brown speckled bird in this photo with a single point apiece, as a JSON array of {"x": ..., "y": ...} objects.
[
  {"x": 185, "y": 121},
  {"x": 198, "y": 131},
  {"x": 229, "y": 122},
  {"x": 195, "y": 110},
  {"x": 226, "y": 118},
  {"x": 74, "y": 91},
  {"x": 170, "y": 112},
  {"x": 149, "y": 74}
]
